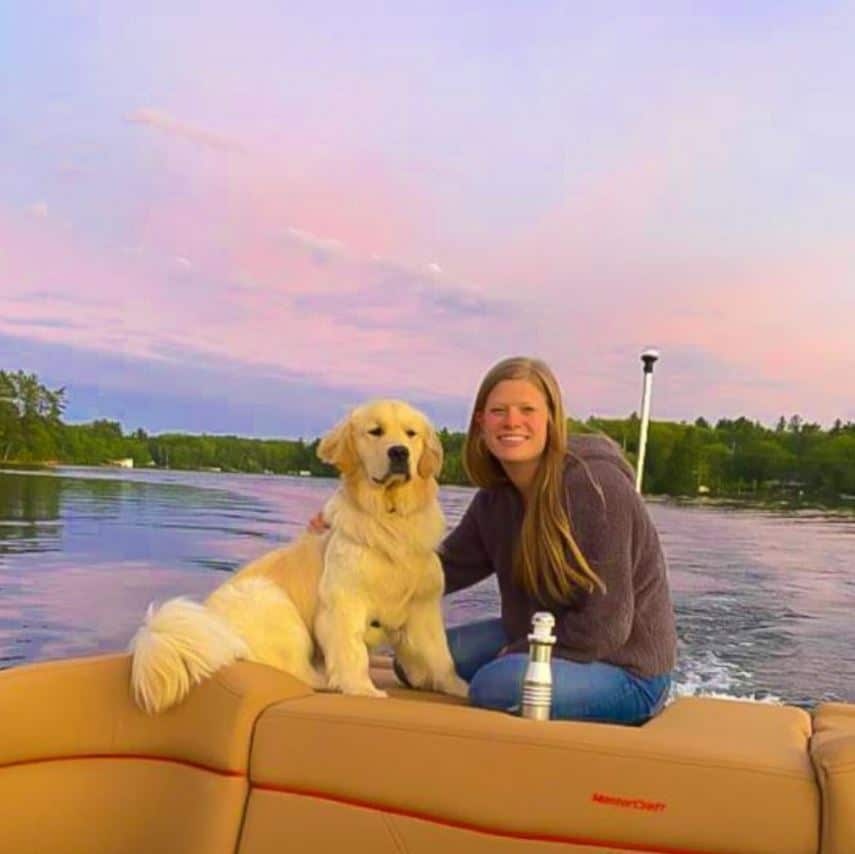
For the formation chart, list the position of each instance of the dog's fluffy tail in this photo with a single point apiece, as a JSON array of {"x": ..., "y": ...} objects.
[{"x": 178, "y": 645}]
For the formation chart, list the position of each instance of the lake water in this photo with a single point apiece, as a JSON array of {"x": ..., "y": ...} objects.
[{"x": 765, "y": 600}]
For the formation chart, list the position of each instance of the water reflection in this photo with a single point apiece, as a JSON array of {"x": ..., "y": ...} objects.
[
  {"x": 29, "y": 515},
  {"x": 763, "y": 599}
]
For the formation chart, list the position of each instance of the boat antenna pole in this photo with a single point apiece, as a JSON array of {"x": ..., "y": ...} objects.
[{"x": 648, "y": 358}]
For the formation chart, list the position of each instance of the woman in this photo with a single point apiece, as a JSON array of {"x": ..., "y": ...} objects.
[{"x": 563, "y": 529}]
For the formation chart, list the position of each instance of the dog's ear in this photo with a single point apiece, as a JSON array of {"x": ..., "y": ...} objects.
[
  {"x": 430, "y": 462},
  {"x": 337, "y": 447}
]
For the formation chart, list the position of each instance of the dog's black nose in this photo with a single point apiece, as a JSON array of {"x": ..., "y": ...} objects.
[{"x": 398, "y": 453}]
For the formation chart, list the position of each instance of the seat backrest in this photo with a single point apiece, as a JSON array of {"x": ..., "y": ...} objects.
[
  {"x": 83, "y": 769},
  {"x": 364, "y": 775},
  {"x": 832, "y": 749},
  {"x": 253, "y": 761}
]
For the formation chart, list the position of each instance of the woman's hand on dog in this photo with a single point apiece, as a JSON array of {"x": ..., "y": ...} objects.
[{"x": 317, "y": 524}]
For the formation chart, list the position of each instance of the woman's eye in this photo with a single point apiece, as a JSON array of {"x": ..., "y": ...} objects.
[{"x": 376, "y": 431}]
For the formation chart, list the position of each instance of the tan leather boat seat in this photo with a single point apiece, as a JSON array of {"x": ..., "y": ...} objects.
[
  {"x": 82, "y": 769},
  {"x": 255, "y": 762},
  {"x": 832, "y": 749},
  {"x": 361, "y": 774}
]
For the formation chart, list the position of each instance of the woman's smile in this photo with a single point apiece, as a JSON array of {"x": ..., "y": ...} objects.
[{"x": 514, "y": 427}]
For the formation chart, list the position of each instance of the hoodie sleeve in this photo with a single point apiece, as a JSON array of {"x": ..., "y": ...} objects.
[{"x": 465, "y": 560}]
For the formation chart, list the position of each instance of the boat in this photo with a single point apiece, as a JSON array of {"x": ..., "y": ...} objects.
[{"x": 255, "y": 762}]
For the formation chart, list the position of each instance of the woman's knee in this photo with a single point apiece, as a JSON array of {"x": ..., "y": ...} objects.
[
  {"x": 473, "y": 645},
  {"x": 498, "y": 684},
  {"x": 604, "y": 693}
]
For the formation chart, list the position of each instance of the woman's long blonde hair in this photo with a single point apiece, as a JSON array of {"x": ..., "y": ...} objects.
[{"x": 540, "y": 563}]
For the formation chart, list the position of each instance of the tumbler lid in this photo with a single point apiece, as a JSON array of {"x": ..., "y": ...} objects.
[{"x": 542, "y": 624}]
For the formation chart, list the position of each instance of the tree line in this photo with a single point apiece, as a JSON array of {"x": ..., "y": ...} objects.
[{"x": 734, "y": 458}]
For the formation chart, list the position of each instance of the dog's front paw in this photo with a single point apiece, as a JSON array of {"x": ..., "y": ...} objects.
[
  {"x": 357, "y": 687},
  {"x": 363, "y": 689},
  {"x": 455, "y": 686},
  {"x": 316, "y": 679}
]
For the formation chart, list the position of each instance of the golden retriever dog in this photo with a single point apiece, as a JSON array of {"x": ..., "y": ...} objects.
[{"x": 326, "y": 599}]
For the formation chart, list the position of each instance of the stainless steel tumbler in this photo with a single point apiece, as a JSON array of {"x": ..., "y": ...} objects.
[{"x": 537, "y": 684}]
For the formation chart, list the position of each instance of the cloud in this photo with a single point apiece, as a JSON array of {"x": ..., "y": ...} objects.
[
  {"x": 131, "y": 306},
  {"x": 323, "y": 250},
  {"x": 41, "y": 323},
  {"x": 384, "y": 295},
  {"x": 378, "y": 292},
  {"x": 197, "y": 395},
  {"x": 445, "y": 297},
  {"x": 43, "y": 297},
  {"x": 458, "y": 302},
  {"x": 390, "y": 265},
  {"x": 164, "y": 122}
]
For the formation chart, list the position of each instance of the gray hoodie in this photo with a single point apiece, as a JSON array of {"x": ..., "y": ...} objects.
[{"x": 632, "y": 623}]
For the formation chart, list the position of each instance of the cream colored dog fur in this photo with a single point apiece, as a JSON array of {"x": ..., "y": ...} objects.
[{"x": 315, "y": 607}]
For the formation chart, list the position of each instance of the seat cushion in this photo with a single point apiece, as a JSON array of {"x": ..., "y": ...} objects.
[
  {"x": 704, "y": 776},
  {"x": 83, "y": 706},
  {"x": 832, "y": 750},
  {"x": 119, "y": 804},
  {"x": 83, "y": 769}
]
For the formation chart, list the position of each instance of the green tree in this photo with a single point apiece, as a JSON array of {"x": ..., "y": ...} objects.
[
  {"x": 30, "y": 417},
  {"x": 714, "y": 465},
  {"x": 761, "y": 460},
  {"x": 680, "y": 474},
  {"x": 830, "y": 466}
]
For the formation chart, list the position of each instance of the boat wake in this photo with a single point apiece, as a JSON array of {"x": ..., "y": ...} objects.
[{"x": 707, "y": 675}]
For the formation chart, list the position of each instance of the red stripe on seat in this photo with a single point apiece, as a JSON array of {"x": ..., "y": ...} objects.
[
  {"x": 476, "y": 828},
  {"x": 144, "y": 756}
]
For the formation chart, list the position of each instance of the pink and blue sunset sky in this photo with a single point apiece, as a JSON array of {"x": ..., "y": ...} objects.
[{"x": 248, "y": 218}]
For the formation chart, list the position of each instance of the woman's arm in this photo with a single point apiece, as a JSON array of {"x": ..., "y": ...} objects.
[{"x": 465, "y": 560}]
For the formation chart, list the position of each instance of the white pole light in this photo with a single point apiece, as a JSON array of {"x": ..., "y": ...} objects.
[{"x": 648, "y": 358}]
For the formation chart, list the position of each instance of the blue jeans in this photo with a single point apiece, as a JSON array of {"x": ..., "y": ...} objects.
[{"x": 584, "y": 692}]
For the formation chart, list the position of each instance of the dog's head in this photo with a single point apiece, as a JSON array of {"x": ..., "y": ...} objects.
[{"x": 388, "y": 441}]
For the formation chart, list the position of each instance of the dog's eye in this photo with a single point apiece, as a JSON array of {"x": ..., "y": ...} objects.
[
  {"x": 376, "y": 431},
  {"x": 410, "y": 433}
]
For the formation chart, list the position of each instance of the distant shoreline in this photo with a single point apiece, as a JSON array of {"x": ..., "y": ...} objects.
[
  {"x": 746, "y": 503},
  {"x": 15, "y": 466},
  {"x": 845, "y": 505}
]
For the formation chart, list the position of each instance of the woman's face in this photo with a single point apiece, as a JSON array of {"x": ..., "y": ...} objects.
[{"x": 514, "y": 423}]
